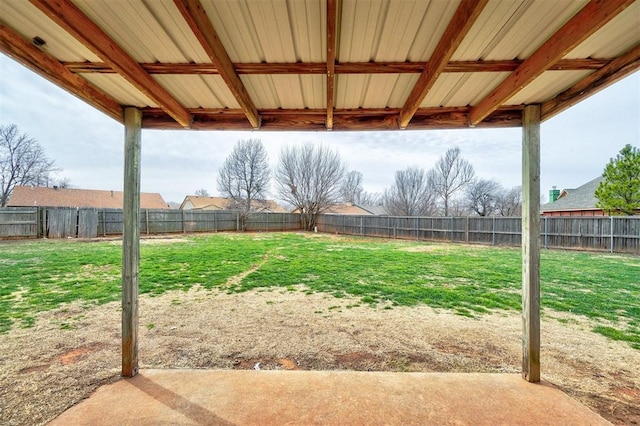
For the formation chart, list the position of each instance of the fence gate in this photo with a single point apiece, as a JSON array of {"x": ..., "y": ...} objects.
[
  {"x": 87, "y": 223},
  {"x": 62, "y": 223}
]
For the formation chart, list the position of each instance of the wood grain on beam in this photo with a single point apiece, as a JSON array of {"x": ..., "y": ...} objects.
[
  {"x": 616, "y": 70},
  {"x": 340, "y": 68},
  {"x": 343, "y": 119},
  {"x": 196, "y": 17},
  {"x": 586, "y": 22},
  {"x": 331, "y": 58},
  {"x": 23, "y": 51},
  {"x": 462, "y": 21},
  {"x": 75, "y": 22}
]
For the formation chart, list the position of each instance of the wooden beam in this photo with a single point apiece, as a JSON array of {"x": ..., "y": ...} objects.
[
  {"x": 196, "y": 17},
  {"x": 131, "y": 241},
  {"x": 331, "y": 58},
  {"x": 617, "y": 69},
  {"x": 24, "y": 52},
  {"x": 343, "y": 119},
  {"x": 75, "y": 22},
  {"x": 340, "y": 68},
  {"x": 531, "y": 243},
  {"x": 462, "y": 21},
  {"x": 587, "y": 21}
]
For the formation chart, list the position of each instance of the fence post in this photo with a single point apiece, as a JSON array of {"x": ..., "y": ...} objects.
[
  {"x": 417, "y": 229},
  {"x": 493, "y": 231},
  {"x": 466, "y": 230},
  {"x": 146, "y": 218},
  {"x": 44, "y": 222},
  {"x": 451, "y": 228},
  {"x": 611, "y": 228},
  {"x": 545, "y": 231},
  {"x": 237, "y": 222}
]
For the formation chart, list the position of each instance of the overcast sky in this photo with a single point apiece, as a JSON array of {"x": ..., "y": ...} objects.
[{"x": 88, "y": 146}]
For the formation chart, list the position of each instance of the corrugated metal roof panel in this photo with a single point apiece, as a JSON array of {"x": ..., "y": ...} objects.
[
  {"x": 547, "y": 86},
  {"x": 462, "y": 89},
  {"x": 128, "y": 22},
  {"x": 497, "y": 18},
  {"x": 619, "y": 35},
  {"x": 198, "y": 91},
  {"x": 27, "y": 20},
  {"x": 392, "y": 31},
  {"x": 273, "y": 31},
  {"x": 120, "y": 89},
  {"x": 167, "y": 14},
  {"x": 286, "y": 91},
  {"x": 516, "y": 32},
  {"x": 373, "y": 90}
]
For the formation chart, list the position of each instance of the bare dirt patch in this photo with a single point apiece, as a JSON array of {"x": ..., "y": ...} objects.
[{"x": 46, "y": 369}]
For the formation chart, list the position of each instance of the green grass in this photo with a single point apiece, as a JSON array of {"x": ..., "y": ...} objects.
[{"x": 42, "y": 275}]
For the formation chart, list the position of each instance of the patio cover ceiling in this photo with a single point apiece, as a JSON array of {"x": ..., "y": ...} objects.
[{"x": 325, "y": 64}]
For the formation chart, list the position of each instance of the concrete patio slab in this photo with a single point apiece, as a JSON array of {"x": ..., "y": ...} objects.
[{"x": 222, "y": 397}]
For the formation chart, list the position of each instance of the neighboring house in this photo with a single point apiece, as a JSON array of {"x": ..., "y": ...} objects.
[
  {"x": 348, "y": 209},
  {"x": 377, "y": 210},
  {"x": 194, "y": 202},
  {"x": 580, "y": 201},
  {"x": 27, "y": 196}
]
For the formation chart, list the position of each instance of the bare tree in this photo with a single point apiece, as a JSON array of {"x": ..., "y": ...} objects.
[
  {"x": 482, "y": 195},
  {"x": 371, "y": 199},
  {"x": 202, "y": 193},
  {"x": 450, "y": 174},
  {"x": 63, "y": 183},
  {"x": 244, "y": 177},
  {"x": 22, "y": 162},
  {"x": 409, "y": 195},
  {"x": 309, "y": 177},
  {"x": 509, "y": 202},
  {"x": 351, "y": 188}
]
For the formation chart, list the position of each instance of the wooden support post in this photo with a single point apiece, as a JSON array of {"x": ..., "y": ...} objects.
[
  {"x": 531, "y": 243},
  {"x": 131, "y": 241}
]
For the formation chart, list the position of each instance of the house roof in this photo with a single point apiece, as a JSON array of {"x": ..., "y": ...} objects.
[
  {"x": 221, "y": 203},
  {"x": 325, "y": 64},
  {"x": 374, "y": 210},
  {"x": 581, "y": 198},
  {"x": 347, "y": 209},
  {"x": 26, "y": 196}
]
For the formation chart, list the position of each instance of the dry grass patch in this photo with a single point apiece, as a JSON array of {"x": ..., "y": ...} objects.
[{"x": 46, "y": 370}]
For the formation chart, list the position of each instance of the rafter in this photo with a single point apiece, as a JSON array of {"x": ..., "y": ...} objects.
[
  {"x": 586, "y": 22},
  {"x": 196, "y": 17},
  {"x": 462, "y": 21},
  {"x": 75, "y": 22},
  {"x": 616, "y": 70},
  {"x": 331, "y": 59},
  {"x": 23, "y": 51}
]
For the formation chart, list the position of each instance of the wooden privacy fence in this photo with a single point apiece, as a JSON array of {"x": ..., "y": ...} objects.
[
  {"x": 19, "y": 222},
  {"x": 620, "y": 234},
  {"x": 615, "y": 234},
  {"x": 51, "y": 222}
]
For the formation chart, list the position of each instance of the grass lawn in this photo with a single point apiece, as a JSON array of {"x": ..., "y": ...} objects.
[{"x": 469, "y": 280}]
